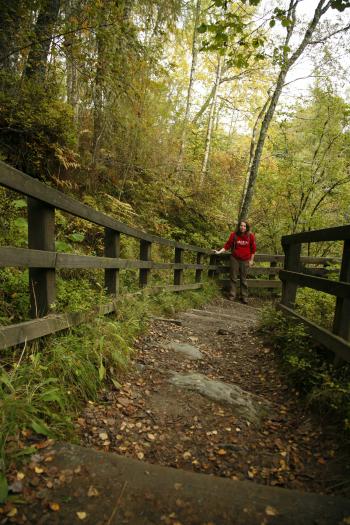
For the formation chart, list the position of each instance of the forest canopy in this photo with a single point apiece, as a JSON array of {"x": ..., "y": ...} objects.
[{"x": 180, "y": 117}]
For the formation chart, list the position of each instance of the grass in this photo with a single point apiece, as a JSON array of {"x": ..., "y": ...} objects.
[{"x": 44, "y": 385}]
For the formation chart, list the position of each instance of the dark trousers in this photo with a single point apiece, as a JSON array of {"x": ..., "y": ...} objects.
[{"x": 238, "y": 268}]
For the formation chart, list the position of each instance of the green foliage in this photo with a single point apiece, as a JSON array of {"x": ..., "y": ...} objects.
[
  {"x": 308, "y": 367},
  {"x": 37, "y": 133},
  {"x": 317, "y": 306},
  {"x": 14, "y": 296}
]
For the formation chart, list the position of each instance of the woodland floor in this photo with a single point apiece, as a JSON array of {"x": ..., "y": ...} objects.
[{"x": 152, "y": 420}]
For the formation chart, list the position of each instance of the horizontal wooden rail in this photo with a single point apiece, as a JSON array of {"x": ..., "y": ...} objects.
[
  {"x": 23, "y": 257},
  {"x": 255, "y": 283},
  {"x": 339, "y": 233},
  {"x": 336, "y": 288},
  {"x": 338, "y": 345}
]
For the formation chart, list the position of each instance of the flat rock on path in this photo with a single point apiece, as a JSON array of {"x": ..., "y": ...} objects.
[
  {"x": 245, "y": 404},
  {"x": 189, "y": 351}
]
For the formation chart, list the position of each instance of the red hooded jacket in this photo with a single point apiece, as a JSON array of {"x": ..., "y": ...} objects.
[{"x": 242, "y": 245}]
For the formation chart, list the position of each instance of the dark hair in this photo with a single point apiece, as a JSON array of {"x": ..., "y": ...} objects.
[{"x": 238, "y": 225}]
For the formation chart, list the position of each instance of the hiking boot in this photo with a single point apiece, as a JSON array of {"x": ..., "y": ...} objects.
[{"x": 244, "y": 300}]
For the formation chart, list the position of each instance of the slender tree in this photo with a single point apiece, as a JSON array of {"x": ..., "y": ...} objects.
[
  {"x": 210, "y": 126},
  {"x": 287, "y": 60},
  {"x": 190, "y": 85}
]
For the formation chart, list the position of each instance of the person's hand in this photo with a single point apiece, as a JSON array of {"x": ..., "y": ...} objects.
[{"x": 251, "y": 263}]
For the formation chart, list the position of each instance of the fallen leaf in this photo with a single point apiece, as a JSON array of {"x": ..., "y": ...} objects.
[
  {"x": 82, "y": 515},
  {"x": 103, "y": 436},
  {"x": 20, "y": 475},
  {"x": 54, "y": 506},
  {"x": 177, "y": 486},
  {"x": 13, "y": 512},
  {"x": 221, "y": 452},
  {"x": 92, "y": 492},
  {"x": 38, "y": 470},
  {"x": 186, "y": 455},
  {"x": 271, "y": 511}
]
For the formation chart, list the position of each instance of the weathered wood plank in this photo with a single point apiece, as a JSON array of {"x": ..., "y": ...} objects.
[
  {"x": 145, "y": 255},
  {"x": 264, "y": 257},
  {"x": 341, "y": 324},
  {"x": 198, "y": 276},
  {"x": 26, "y": 185},
  {"x": 255, "y": 283},
  {"x": 331, "y": 341},
  {"x": 178, "y": 272},
  {"x": 340, "y": 289},
  {"x": 41, "y": 236},
  {"x": 254, "y": 270},
  {"x": 23, "y": 257},
  {"x": 112, "y": 249},
  {"x": 292, "y": 263},
  {"x": 338, "y": 233}
]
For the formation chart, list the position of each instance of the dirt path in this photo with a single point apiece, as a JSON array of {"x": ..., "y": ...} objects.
[
  {"x": 153, "y": 420},
  {"x": 259, "y": 434}
]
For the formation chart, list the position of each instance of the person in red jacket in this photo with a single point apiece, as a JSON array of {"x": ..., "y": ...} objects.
[{"x": 242, "y": 245}]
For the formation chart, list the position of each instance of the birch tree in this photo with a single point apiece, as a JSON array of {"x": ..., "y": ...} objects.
[
  {"x": 287, "y": 60},
  {"x": 211, "y": 122},
  {"x": 190, "y": 85}
]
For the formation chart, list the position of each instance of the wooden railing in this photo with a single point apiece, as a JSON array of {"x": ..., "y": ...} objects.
[
  {"x": 337, "y": 340},
  {"x": 317, "y": 266},
  {"x": 43, "y": 261}
]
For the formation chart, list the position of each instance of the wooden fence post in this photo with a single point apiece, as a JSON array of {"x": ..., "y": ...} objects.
[
  {"x": 112, "y": 249},
  {"x": 272, "y": 276},
  {"x": 41, "y": 236},
  {"x": 212, "y": 261},
  {"x": 292, "y": 263},
  {"x": 179, "y": 274},
  {"x": 198, "y": 276},
  {"x": 341, "y": 324},
  {"x": 145, "y": 255}
]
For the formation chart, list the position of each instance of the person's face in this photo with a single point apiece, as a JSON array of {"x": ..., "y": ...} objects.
[{"x": 243, "y": 227}]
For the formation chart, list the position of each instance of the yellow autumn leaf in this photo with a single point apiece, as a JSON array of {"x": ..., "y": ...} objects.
[
  {"x": 271, "y": 511},
  {"x": 82, "y": 515}
]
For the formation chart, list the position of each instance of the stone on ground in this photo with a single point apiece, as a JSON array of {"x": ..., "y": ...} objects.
[
  {"x": 244, "y": 403},
  {"x": 189, "y": 351}
]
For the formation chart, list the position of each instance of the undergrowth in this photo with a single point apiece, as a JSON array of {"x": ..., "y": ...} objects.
[
  {"x": 309, "y": 367},
  {"x": 44, "y": 385}
]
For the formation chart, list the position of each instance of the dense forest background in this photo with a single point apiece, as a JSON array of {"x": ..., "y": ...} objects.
[{"x": 180, "y": 116}]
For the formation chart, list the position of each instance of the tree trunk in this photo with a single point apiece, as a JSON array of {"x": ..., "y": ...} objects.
[
  {"x": 210, "y": 123},
  {"x": 99, "y": 85},
  {"x": 190, "y": 87},
  {"x": 11, "y": 19},
  {"x": 71, "y": 69},
  {"x": 286, "y": 65},
  {"x": 38, "y": 55}
]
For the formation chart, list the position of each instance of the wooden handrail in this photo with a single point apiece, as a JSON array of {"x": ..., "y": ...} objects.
[{"x": 294, "y": 276}]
